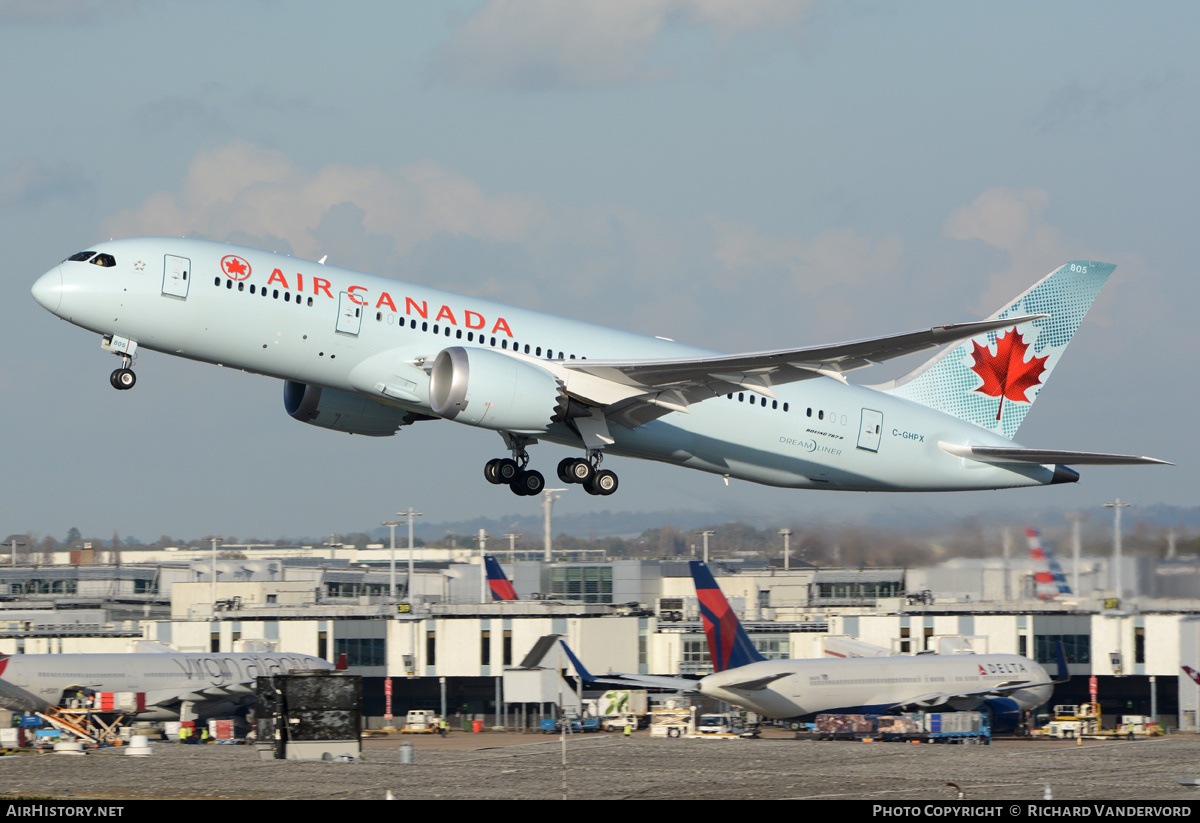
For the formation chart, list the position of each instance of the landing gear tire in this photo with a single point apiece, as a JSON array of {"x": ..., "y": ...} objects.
[
  {"x": 564, "y": 470},
  {"x": 602, "y": 483},
  {"x": 576, "y": 470},
  {"x": 507, "y": 470},
  {"x": 123, "y": 379},
  {"x": 528, "y": 484},
  {"x": 489, "y": 472}
]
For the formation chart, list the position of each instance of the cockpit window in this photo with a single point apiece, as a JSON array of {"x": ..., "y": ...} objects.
[
  {"x": 106, "y": 260},
  {"x": 81, "y": 256}
]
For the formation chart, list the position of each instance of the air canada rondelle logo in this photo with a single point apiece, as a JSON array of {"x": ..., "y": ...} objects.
[{"x": 235, "y": 267}]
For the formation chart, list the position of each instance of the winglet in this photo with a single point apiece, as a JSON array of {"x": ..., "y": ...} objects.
[
  {"x": 498, "y": 581},
  {"x": 1063, "y": 674},
  {"x": 728, "y": 644},
  {"x": 1192, "y": 673},
  {"x": 342, "y": 663},
  {"x": 579, "y": 669}
]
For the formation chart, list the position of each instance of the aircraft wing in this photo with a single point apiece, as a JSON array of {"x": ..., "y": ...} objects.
[
  {"x": 1013, "y": 454},
  {"x": 653, "y": 388},
  {"x": 925, "y": 701},
  {"x": 682, "y": 684}
]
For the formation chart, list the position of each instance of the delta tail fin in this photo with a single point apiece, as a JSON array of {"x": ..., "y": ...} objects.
[
  {"x": 1049, "y": 579},
  {"x": 498, "y": 581},
  {"x": 728, "y": 644},
  {"x": 992, "y": 379}
]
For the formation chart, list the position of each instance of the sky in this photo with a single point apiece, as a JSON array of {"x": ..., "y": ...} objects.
[{"x": 738, "y": 174}]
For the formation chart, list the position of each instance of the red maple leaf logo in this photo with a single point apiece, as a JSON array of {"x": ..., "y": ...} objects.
[
  {"x": 235, "y": 267},
  {"x": 1006, "y": 373}
]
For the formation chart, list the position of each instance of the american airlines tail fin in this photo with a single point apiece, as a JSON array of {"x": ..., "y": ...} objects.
[
  {"x": 992, "y": 379},
  {"x": 498, "y": 581},
  {"x": 728, "y": 644},
  {"x": 1049, "y": 579}
]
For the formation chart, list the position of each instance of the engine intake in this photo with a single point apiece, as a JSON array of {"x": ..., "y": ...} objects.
[{"x": 485, "y": 388}]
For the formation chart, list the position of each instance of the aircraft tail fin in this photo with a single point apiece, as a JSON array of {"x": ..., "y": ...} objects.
[
  {"x": 1049, "y": 578},
  {"x": 728, "y": 644},
  {"x": 1192, "y": 673},
  {"x": 498, "y": 581},
  {"x": 992, "y": 379}
]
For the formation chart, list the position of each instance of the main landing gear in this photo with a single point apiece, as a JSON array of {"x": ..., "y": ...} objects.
[
  {"x": 513, "y": 472},
  {"x": 587, "y": 473},
  {"x": 525, "y": 482}
]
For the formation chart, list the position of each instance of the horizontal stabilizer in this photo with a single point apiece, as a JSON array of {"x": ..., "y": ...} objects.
[{"x": 1015, "y": 454}]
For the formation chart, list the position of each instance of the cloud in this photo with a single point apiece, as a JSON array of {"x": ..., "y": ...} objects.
[
  {"x": 1012, "y": 221},
  {"x": 243, "y": 188},
  {"x": 837, "y": 257},
  {"x": 711, "y": 279},
  {"x": 547, "y": 44},
  {"x": 30, "y": 182}
]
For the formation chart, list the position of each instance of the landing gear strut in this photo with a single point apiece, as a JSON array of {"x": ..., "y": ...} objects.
[
  {"x": 123, "y": 378},
  {"x": 513, "y": 472}
]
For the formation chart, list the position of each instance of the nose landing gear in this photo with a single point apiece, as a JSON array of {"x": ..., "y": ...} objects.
[{"x": 123, "y": 378}]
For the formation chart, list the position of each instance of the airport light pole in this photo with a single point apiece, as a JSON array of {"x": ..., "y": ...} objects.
[
  {"x": 1116, "y": 506},
  {"x": 1076, "y": 519},
  {"x": 213, "y": 582},
  {"x": 410, "y": 514},
  {"x": 392, "y": 524},
  {"x": 483, "y": 536},
  {"x": 548, "y": 498}
]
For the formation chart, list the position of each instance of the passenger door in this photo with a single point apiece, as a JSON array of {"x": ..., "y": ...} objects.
[
  {"x": 870, "y": 430},
  {"x": 349, "y": 319},
  {"x": 176, "y": 276}
]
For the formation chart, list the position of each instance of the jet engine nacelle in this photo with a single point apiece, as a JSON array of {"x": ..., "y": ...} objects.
[
  {"x": 342, "y": 412},
  {"x": 1005, "y": 712},
  {"x": 481, "y": 387}
]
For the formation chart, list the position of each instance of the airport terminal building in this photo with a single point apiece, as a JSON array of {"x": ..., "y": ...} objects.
[{"x": 441, "y": 639}]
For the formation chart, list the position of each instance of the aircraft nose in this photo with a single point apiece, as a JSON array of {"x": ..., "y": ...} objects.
[{"x": 48, "y": 289}]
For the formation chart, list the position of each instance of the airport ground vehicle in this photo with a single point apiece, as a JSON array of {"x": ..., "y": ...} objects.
[
  {"x": 420, "y": 721},
  {"x": 576, "y": 725},
  {"x": 930, "y": 727}
]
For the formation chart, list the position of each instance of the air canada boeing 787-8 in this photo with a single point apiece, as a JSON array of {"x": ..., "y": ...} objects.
[{"x": 367, "y": 355}]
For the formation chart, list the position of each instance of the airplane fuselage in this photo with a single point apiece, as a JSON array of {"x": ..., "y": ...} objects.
[
  {"x": 219, "y": 681},
  {"x": 373, "y": 337},
  {"x": 802, "y": 688}
]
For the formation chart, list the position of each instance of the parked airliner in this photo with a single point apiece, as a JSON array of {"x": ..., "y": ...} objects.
[
  {"x": 1004, "y": 685},
  {"x": 1050, "y": 581},
  {"x": 175, "y": 685},
  {"x": 368, "y": 355},
  {"x": 498, "y": 582}
]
